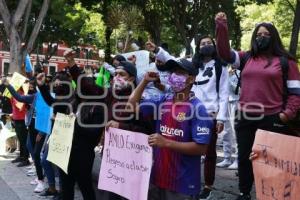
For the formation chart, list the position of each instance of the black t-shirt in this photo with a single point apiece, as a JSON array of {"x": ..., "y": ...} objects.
[{"x": 5, "y": 103}]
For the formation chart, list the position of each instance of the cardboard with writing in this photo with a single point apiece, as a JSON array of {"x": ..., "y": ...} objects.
[
  {"x": 126, "y": 164},
  {"x": 277, "y": 169},
  {"x": 60, "y": 141},
  {"x": 17, "y": 80}
]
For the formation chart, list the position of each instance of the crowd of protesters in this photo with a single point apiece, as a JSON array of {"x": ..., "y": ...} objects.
[{"x": 207, "y": 96}]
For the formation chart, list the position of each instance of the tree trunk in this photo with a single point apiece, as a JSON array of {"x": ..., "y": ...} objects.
[
  {"x": 108, "y": 32},
  {"x": 38, "y": 24},
  {"x": 12, "y": 27},
  {"x": 153, "y": 25},
  {"x": 15, "y": 59},
  {"x": 237, "y": 32},
  {"x": 295, "y": 30},
  {"x": 155, "y": 34},
  {"x": 188, "y": 48}
]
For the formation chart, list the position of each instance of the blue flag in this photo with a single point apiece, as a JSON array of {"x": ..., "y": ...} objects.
[
  {"x": 43, "y": 116},
  {"x": 28, "y": 65}
]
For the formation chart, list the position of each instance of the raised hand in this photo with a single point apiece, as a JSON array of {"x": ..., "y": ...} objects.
[
  {"x": 40, "y": 79},
  {"x": 151, "y": 77},
  {"x": 132, "y": 59},
  {"x": 221, "y": 16},
  {"x": 150, "y": 46}
]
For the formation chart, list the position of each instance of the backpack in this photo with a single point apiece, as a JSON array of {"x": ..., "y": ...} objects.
[
  {"x": 294, "y": 124},
  {"x": 218, "y": 69}
]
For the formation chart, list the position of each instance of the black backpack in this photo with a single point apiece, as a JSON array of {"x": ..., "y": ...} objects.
[
  {"x": 218, "y": 69},
  {"x": 293, "y": 124}
]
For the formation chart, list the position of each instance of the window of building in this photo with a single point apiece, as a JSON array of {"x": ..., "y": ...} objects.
[
  {"x": 52, "y": 70},
  {"x": 5, "y": 68}
]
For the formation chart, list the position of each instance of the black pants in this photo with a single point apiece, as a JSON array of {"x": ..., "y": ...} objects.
[
  {"x": 80, "y": 172},
  {"x": 22, "y": 132},
  {"x": 37, "y": 148},
  {"x": 245, "y": 134},
  {"x": 211, "y": 158},
  {"x": 37, "y": 156}
]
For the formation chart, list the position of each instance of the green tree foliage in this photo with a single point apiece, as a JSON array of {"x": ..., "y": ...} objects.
[{"x": 279, "y": 12}]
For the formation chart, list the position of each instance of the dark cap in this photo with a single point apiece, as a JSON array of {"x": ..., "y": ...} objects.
[
  {"x": 183, "y": 64},
  {"x": 128, "y": 67},
  {"x": 119, "y": 58}
]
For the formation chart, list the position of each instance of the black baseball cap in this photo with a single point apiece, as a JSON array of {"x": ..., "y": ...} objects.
[
  {"x": 183, "y": 64},
  {"x": 119, "y": 58},
  {"x": 128, "y": 67}
]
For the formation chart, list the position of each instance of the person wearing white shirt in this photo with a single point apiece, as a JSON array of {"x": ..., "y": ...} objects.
[
  {"x": 212, "y": 88},
  {"x": 229, "y": 139}
]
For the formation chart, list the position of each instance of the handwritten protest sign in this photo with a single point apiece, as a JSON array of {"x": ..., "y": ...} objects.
[
  {"x": 16, "y": 81},
  {"x": 126, "y": 162},
  {"x": 60, "y": 141},
  {"x": 142, "y": 58},
  {"x": 44, "y": 113},
  {"x": 142, "y": 62},
  {"x": 277, "y": 170}
]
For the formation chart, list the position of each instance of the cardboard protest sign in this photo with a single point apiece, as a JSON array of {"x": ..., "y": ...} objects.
[
  {"x": 43, "y": 115},
  {"x": 142, "y": 58},
  {"x": 277, "y": 170},
  {"x": 142, "y": 62},
  {"x": 16, "y": 81},
  {"x": 19, "y": 105},
  {"x": 126, "y": 162},
  {"x": 60, "y": 141}
]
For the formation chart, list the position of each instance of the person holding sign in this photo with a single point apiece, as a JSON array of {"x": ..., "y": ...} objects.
[
  {"x": 270, "y": 90},
  {"x": 182, "y": 135},
  {"x": 115, "y": 101},
  {"x": 18, "y": 116},
  {"x": 35, "y": 139}
]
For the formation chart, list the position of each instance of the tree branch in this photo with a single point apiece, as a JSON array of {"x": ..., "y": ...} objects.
[
  {"x": 38, "y": 25},
  {"x": 5, "y": 14},
  {"x": 19, "y": 12},
  {"x": 291, "y": 6},
  {"x": 27, "y": 14}
]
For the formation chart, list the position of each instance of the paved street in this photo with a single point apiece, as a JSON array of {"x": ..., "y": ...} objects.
[{"x": 14, "y": 184}]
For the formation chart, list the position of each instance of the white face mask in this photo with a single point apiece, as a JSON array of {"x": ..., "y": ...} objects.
[{"x": 119, "y": 83}]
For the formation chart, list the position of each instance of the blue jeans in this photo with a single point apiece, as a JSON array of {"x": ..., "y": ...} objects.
[
  {"x": 29, "y": 145},
  {"x": 48, "y": 167}
]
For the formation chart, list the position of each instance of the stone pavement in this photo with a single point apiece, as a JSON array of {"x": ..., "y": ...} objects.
[{"x": 14, "y": 184}]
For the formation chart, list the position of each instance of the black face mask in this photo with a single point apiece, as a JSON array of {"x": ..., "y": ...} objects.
[
  {"x": 263, "y": 43},
  {"x": 61, "y": 90},
  {"x": 31, "y": 91},
  {"x": 207, "y": 51}
]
